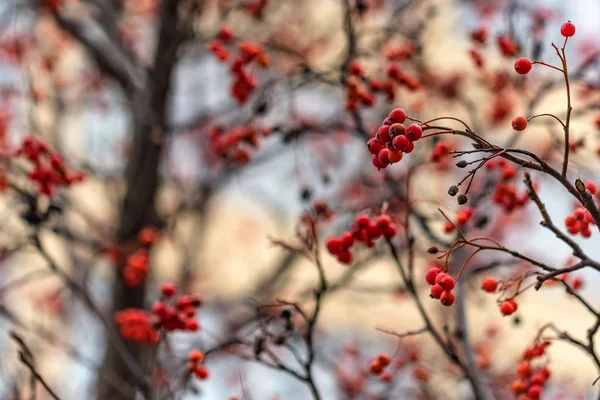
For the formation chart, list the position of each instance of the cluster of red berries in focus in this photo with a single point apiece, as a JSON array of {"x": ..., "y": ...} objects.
[
  {"x": 442, "y": 285},
  {"x": 393, "y": 139},
  {"x": 244, "y": 82},
  {"x": 579, "y": 222},
  {"x": 236, "y": 143},
  {"x": 176, "y": 313},
  {"x": 530, "y": 380},
  {"x": 363, "y": 230},
  {"x": 195, "y": 365},
  {"x": 49, "y": 169},
  {"x": 463, "y": 216}
]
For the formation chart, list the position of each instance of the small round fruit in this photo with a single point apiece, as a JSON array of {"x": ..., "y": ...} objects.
[
  {"x": 519, "y": 123},
  {"x": 431, "y": 274},
  {"x": 400, "y": 143},
  {"x": 523, "y": 65},
  {"x": 397, "y": 115},
  {"x": 447, "y": 298},
  {"x": 413, "y": 132},
  {"x": 436, "y": 291},
  {"x": 567, "y": 29},
  {"x": 489, "y": 284}
]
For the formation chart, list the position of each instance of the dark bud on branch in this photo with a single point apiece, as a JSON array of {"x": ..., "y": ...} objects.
[
  {"x": 452, "y": 190},
  {"x": 433, "y": 250},
  {"x": 461, "y": 164},
  {"x": 462, "y": 199}
]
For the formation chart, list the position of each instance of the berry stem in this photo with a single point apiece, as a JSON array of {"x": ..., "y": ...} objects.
[{"x": 547, "y": 115}]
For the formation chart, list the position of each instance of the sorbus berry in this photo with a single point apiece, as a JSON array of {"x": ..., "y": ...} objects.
[
  {"x": 413, "y": 132},
  {"x": 397, "y": 129},
  {"x": 347, "y": 239},
  {"x": 384, "y": 359},
  {"x": 397, "y": 115},
  {"x": 390, "y": 231},
  {"x": 395, "y": 156},
  {"x": 524, "y": 370},
  {"x": 376, "y": 367},
  {"x": 400, "y": 142},
  {"x": 518, "y": 387},
  {"x": 431, "y": 274},
  {"x": 447, "y": 298},
  {"x": 523, "y": 65},
  {"x": 362, "y": 220},
  {"x": 201, "y": 372},
  {"x": 383, "y": 157},
  {"x": 489, "y": 284},
  {"x": 196, "y": 356},
  {"x": 590, "y": 186},
  {"x": 334, "y": 245},
  {"x": 345, "y": 257},
  {"x": 519, "y": 123},
  {"x": 436, "y": 291},
  {"x": 191, "y": 324},
  {"x": 374, "y": 146},
  {"x": 440, "y": 277},
  {"x": 545, "y": 372},
  {"x": 507, "y": 308},
  {"x": 447, "y": 283},
  {"x": 409, "y": 148},
  {"x": 383, "y": 134},
  {"x": 567, "y": 29},
  {"x": 168, "y": 289},
  {"x": 534, "y": 392}
]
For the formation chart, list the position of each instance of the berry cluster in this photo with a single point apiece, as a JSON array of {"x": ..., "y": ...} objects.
[
  {"x": 378, "y": 364},
  {"x": 236, "y": 143},
  {"x": 195, "y": 366},
  {"x": 176, "y": 314},
  {"x": 530, "y": 381},
  {"x": 363, "y": 230},
  {"x": 508, "y": 307},
  {"x": 505, "y": 193},
  {"x": 49, "y": 169},
  {"x": 355, "y": 92},
  {"x": 393, "y": 139},
  {"x": 579, "y": 222},
  {"x": 244, "y": 82},
  {"x": 135, "y": 324},
  {"x": 136, "y": 266},
  {"x": 463, "y": 216},
  {"x": 442, "y": 285}
]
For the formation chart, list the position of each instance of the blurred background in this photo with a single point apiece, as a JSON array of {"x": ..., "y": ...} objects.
[{"x": 131, "y": 92}]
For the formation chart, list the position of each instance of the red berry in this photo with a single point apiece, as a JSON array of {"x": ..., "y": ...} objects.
[
  {"x": 397, "y": 129},
  {"x": 400, "y": 142},
  {"x": 362, "y": 220},
  {"x": 441, "y": 276},
  {"x": 519, "y": 123},
  {"x": 195, "y": 356},
  {"x": 436, "y": 291},
  {"x": 191, "y": 324},
  {"x": 534, "y": 392},
  {"x": 590, "y": 186},
  {"x": 431, "y": 274},
  {"x": 377, "y": 163},
  {"x": 383, "y": 134},
  {"x": 376, "y": 367},
  {"x": 489, "y": 284},
  {"x": 383, "y": 157},
  {"x": 409, "y": 148},
  {"x": 383, "y": 221},
  {"x": 334, "y": 245},
  {"x": 168, "y": 289},
  {"x": 395, "y": 156},
  {"x": 397, "y": 115},
  {"x": 523, "y": 66},
  {"x": 567, "y": 29},
  {"x": 545, "y": 372},
  {"x": 201, "y": 372},
  {"x": 347, "y": 239},
  {"x": 384, "y": 359},
  {"x": 413, "y": 132},
  {"x": 524, "y": 370},
  {"x": 447, "y": 298},
  {"x": 570, "y": 220},
  {"x": 374, "y": 146},
  {"x": 355, "y": 68},
  {"x": 507, "y": 308},
  {"x": 390, "y": 231},
  {"x": 447, "y": 283},
  {"x": 345, "y": 257}
]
